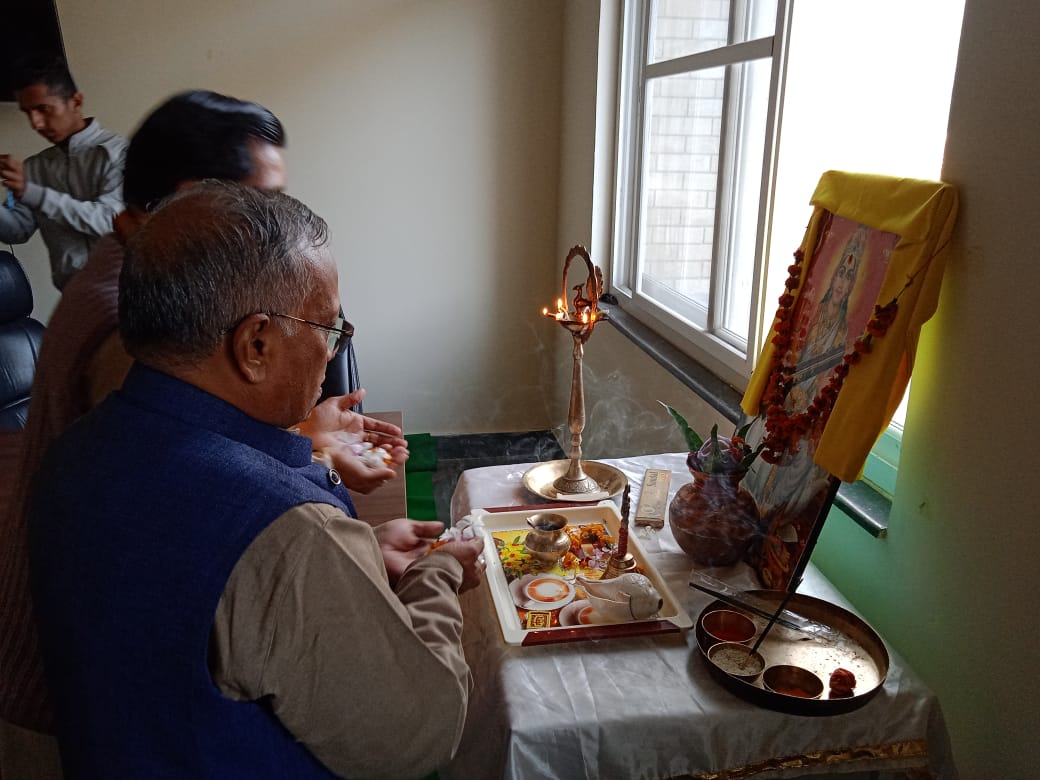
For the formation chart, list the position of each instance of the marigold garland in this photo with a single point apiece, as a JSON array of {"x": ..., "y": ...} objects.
[{"x": 783, "y": 429}]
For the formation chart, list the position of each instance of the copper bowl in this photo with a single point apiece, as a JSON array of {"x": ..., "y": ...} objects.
[
  {"x": 791, "y": 680},
  {"x": 727, "y": 625}
]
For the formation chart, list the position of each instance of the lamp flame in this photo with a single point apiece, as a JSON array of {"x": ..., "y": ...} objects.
[{"x": 584, "y": 315}]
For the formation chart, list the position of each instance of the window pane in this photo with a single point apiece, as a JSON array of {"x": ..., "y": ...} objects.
[
  {"x": 688, "y": 224},
  {"x": 680, "y": 177},
  {"x": 682, "y": 27},
  {"x": 749, "y": 99},
  {"x": 697, "y": 123},
  {"x": 837, "y": 88}
]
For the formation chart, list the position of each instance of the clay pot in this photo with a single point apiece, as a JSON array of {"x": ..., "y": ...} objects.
[{"x": 713, "y": 519}]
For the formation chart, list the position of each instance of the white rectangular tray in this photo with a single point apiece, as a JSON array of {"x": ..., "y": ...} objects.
[{"x": 670, "y": 619}]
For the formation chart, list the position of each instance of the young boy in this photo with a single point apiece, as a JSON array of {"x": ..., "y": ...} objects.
[{"x": 70, "y": 191}]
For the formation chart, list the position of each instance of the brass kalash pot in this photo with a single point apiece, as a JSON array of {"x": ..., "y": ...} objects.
[{"x": 547, "y": 541}]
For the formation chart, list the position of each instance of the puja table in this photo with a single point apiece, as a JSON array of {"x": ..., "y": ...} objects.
[{"x": 647, "y": 706}]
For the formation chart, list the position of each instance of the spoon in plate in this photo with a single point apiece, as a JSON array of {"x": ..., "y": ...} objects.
[{"x": 772, "y": 620}]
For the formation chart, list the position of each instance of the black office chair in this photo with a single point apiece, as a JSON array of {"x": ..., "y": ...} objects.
[
  {"x": 341, "y": 375},
  {"x": 20, "y": 337}
]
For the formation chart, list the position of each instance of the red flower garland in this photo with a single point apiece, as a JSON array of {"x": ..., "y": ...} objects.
[{"x": 784, "y": 429}]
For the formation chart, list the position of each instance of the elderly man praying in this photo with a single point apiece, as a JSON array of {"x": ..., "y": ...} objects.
[{"x": 207, "y": 606}]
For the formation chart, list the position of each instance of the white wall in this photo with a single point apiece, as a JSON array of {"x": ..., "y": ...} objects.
[{"x": 426, "y": 133}]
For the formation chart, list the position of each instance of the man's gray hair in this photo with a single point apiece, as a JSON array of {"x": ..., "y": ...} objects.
[{"x": 208, "y": 258}]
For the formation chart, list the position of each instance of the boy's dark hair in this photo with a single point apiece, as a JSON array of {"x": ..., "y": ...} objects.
[
  {"x": 45, "y": 68},
  {"x": 193, "y": 136}
]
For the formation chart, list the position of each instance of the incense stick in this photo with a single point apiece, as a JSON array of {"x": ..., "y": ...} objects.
[{"x": 622, "y": 544}]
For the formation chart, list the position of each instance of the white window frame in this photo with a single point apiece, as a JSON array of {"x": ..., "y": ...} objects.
[
  {"x": 730, "y": 355},
  {"x": 707, "y": 348}
]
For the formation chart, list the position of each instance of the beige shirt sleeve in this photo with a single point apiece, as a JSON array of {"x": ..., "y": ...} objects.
[{"x": 373, "y": 682}]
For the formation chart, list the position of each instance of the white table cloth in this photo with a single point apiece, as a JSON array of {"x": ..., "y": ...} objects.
[{"x": 647, "y": 706}]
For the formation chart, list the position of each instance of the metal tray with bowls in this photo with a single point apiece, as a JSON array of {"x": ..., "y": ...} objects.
[{"x": 831, "y": 637}]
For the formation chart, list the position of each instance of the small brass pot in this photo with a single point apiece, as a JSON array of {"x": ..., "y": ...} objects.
[{"x": 547, "y": 541}]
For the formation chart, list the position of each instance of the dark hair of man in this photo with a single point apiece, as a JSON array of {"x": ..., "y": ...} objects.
[
  {"x": 208, "y": 258},
  {"x": 44, "y": 68},
  {"x": 193, "y": 136}
]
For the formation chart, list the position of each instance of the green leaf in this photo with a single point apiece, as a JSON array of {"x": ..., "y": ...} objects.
[
  {"x": 715, "y": 461},
  {"x": 693, "y": 441},
  {"x": 742, "y": 430},
  {"x": 747, "y": 460}
]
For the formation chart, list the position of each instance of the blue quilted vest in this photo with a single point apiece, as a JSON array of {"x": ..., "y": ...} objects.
[{"x": 140, "y": 513}]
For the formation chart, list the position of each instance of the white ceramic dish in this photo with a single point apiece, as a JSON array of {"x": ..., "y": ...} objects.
[
  {"x": 578, "y": 613},
  {"x": 541, "y": 591}
]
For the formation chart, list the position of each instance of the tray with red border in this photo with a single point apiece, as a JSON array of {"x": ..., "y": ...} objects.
[{"x": 536, "y": 604}]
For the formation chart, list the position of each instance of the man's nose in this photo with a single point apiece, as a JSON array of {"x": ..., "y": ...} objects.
[{"x": 36, "y": 120}]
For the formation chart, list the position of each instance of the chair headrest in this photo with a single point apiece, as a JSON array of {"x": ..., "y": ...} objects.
[{"x": 16, "y": 298}]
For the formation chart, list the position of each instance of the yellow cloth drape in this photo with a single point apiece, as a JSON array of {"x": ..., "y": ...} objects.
[{"x": 922, "y": 213}]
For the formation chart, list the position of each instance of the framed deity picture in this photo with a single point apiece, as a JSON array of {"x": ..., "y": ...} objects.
[{"x": 840, "y": 352}]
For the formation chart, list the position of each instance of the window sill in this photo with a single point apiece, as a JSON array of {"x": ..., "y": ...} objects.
[{"x": 867, "y": 507}]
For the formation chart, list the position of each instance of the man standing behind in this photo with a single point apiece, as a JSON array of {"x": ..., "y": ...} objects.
[
  {"x": 206, "y": 606},
  {"x": 70, "y": 191}
]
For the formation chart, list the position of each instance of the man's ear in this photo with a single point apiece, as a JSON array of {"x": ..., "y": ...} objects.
[
  {"x": 128, "y": 221},
  {"x": 76, "y": 101},
  {"x": 251, "y": 345}
]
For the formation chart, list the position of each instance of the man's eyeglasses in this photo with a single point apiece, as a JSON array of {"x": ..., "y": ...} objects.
[{"x": 338, "y": 333}]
